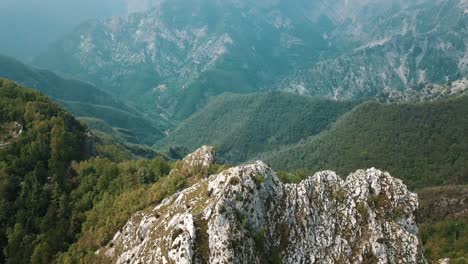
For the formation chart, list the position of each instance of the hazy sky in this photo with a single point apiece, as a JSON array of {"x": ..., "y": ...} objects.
[{"x": 28, "y": 26}]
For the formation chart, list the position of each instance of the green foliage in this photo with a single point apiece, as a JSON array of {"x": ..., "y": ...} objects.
[
  {"x": 244, "y": 126},
  {"x": 370, "y": 258},
  {"x": 57, "y": 206},
  {"x": 259, "y": 239},
  {"x": 217, "y": 168},
  {"x": 202, "y": 240},
  {"x": 52, "y": 198},
  {"x": 287, "y": 177},
  {"x": 424, "y": 144},
  {"x": 443, "y": 222},
  {"x": 362, "y": 210},
  {"x": 258, "y": 179},
  {"x": 35, "y": 180},
  {"x": 245, "y": 222},
  {"x": 105, "y": 209},
  {"x": 275, "y": 257}
]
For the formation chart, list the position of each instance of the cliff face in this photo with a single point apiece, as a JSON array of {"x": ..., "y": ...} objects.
[{"x": 246, "y": 215}]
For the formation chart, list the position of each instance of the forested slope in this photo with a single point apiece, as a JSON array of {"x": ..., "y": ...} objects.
[
  {"x": 425, "y": 143},
  {"x": 54, "y": 196},
  {"x": 35, "y": 180},
  {"x": 85, "y": 100},
  {"x": 242, "y": 126}
]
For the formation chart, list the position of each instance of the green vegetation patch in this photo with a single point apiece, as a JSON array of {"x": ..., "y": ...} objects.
[
  {"x": 443, "y": 222},
  {"x": 244, "y": 126},
  {"x": 425, "y": 144}
]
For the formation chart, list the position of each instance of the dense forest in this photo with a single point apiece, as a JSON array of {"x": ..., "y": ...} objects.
[
  {"x": 425, "y": 143},
  {"x": 35, "y": 179},
  {"x": 53, "y": 193},
  {"x": 243, "y": 126}
]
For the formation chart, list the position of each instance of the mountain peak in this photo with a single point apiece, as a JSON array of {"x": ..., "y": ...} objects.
[
  {"x": 246, "y": 214},
  {"x": 204, "y": 156}
]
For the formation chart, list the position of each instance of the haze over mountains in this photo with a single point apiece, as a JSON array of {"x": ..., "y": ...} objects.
[
  {"x": 160, "y": 111},
  {"x": 86, "y": 101},
  {"x": 29, "y": 26},
  {"x": 180, "y": 53}
]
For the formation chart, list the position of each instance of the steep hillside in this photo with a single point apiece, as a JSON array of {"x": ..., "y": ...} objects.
[
  {"x": 85, "y": 100},
  {"x": 53, "y": 192},
  {"x": 175, "y": 56},
  {"x": 423, "y": 143},
  {"x": 34, "y": 175},
  {"x": 407, "y": 44},
  {"x": 242, "y": 126}
]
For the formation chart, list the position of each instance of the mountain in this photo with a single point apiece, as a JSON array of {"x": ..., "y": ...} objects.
[
  {"x": 246, "y": 215},
  {"x": 34, "y": 178},
  {"x": 407, "y": 45},
  {"x": 54, "y": 177},
  {"x": 180, "y": 53},
  {"x": 85, "y": 100},
  {"x": 174, "y": 57},
  {"x": 423, "y": 143},
  {"x": 243, "y": 126},
  {"x": 28, "y": 27}
]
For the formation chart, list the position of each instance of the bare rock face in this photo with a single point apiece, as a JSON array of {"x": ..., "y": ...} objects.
[
  {"x": 197, "y": 162},
  {"x": 246, "y": 215},
  {"x": 204, "y": 157}
]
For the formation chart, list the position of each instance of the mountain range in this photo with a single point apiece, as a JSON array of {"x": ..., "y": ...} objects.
[
  {"x": 206, "y": 131},
  {"x": 177, "y": 55}
]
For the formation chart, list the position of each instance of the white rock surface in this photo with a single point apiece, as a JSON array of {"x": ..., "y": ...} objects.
[{"x": 246, "y": 215}]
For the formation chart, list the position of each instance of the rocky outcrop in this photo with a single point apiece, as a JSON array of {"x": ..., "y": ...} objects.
[
  {"x": 204, "y": 157},
  {"x": 430, "y": 92},
  {"x": 246, "y": 215},
  {"x": 9, "y": 132},
  {"x": 197, "y": 163}
]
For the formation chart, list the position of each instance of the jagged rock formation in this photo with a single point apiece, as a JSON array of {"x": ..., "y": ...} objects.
[
  {"x": 204, "y": 157},
  {"x": 197, "y": 163},
  {"x": 432, "y": 92},
  {"x": 246, "y": 215}
]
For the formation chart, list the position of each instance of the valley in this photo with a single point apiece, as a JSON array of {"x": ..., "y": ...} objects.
[{"x": 204, "y": 131}]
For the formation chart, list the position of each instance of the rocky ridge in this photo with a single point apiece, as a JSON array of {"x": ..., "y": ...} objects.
[
  {"x": 431, "y": 92},
  {"x": 246, "y": 215}
]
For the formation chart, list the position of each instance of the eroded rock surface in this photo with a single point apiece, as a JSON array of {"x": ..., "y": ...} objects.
[
  {"x": 246, "y": 215},
  {"x": 197, "y": 162}
]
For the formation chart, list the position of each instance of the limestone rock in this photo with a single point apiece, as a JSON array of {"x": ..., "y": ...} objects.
[
  {"x": 197, "y": 162},
  {"x": 246, "y": 215},
  {"x": 204, "y": 156}
]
